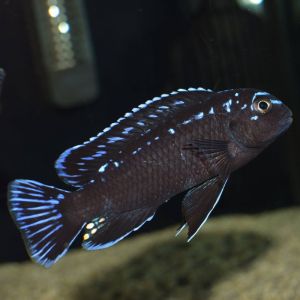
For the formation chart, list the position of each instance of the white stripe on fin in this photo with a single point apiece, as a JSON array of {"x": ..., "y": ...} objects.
[{"x": 217, "y": 200}]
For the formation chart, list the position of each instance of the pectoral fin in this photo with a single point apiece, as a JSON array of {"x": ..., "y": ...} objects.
[
  {"x": 199, "y": 203},
  {"x": 212, "y": 153}
]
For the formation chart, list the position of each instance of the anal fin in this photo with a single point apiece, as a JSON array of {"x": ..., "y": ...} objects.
[
  {"x": 199, "y": 203},
  {"x": 105, "y": 231}
]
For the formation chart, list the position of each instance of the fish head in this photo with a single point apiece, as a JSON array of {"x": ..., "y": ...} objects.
[{"x": 259, "y": 119}]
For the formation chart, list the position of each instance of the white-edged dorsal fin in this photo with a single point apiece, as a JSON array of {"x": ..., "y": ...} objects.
[{"x": 80, "y": 164}]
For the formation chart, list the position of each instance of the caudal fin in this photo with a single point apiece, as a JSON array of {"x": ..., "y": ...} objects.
[{"x": 39, "y": 214}]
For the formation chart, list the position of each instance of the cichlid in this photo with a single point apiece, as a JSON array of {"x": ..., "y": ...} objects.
[{"x": 188, "y": 140}]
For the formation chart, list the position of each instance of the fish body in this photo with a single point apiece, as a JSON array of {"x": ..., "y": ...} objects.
[{"x": 189, "y": 140}]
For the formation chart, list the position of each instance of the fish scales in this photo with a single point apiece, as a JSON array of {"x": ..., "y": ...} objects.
[
  {"x": 188, "y": 140},
  {"x": 155, "y": 163},
  {"x": 147, "y": 179}
]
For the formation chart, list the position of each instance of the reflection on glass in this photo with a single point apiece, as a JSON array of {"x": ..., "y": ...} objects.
[
  {"x": 255, "y": 6},
  {"x": 63, "y": 27},
  {"x": 256, "y": 2},
  {"x": 53, "y": 11},
  {"x": 60, "y": 28}
]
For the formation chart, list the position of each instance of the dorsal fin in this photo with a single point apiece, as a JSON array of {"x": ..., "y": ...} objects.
[{"x": 79, "y": 165}]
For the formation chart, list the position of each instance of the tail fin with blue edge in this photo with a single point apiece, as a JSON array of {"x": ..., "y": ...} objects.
[{"x": 39, "y": 214}]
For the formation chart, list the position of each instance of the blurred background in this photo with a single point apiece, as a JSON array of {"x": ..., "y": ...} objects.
[{"x": 73, "y": 67}]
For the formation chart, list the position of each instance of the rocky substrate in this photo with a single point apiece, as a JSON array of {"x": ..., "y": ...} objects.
[{"x": 232, "y": 257}]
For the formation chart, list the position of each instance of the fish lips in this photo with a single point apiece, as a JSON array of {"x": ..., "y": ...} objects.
[{"x": 286, "y": 121}]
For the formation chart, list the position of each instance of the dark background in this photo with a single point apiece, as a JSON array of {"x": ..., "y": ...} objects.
[{"x": 142, "y": 49}]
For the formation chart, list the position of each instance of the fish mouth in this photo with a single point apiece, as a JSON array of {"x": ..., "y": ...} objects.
[
  {"x": 287, "y": 119},
  {"x": 289, "y": 116},
  {"x": 290, "y": 120},
  {"x": 286, "y": 123}
]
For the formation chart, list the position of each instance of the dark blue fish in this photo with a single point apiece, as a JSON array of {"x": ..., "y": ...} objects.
[{"x": 188, "y": 140}]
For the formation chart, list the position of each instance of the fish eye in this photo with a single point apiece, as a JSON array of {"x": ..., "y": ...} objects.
[{"x": 263, "y": 106}]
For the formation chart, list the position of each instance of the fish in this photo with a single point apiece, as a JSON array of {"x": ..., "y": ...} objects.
[{"x": 188, "y": 140}]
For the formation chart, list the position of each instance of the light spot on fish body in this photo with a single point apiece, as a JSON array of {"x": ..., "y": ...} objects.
[
  {"x": 99, "y": 154},
  {"x": 116, "y": 164},
  {"x": 276, "y": 102},
  {"x": 244, "y": 107},
  {"x": 86, "y": 158},
  {"x": 148, "y": 143},
  {"x": 227, "y": 105},
  {"x": 60, "y": 197},
  {"x": 164, "y": 95},
  {"x": 127, "y": 130},
  {"x": 114, "y": 139},
  {"x": 129, "y": 114},
  {"x": 86, "y": 236},
  {"x": 157, "y": 98},
  {"x": 136, "y": 151},
  {"x": 157, "y": 138},
  {"x": 171, "y": 131},
  {"x": 186, "y": 122},
  {"x": 153, "y": 116},
  {"x": 202, "y": 89},
  {"x": 236, "y": 94},
  {"x": 259, "y": 94},
  {"x": 120, "y": 120},
  {"x": 178, "y": 102},
  {"x": 254, "y": 118},
  {"x": 199, "y": 116},
  {"x": 90, "y": 226},
  {"x": 102, "y": 168},
  {"x": 211, "y": 111}
]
